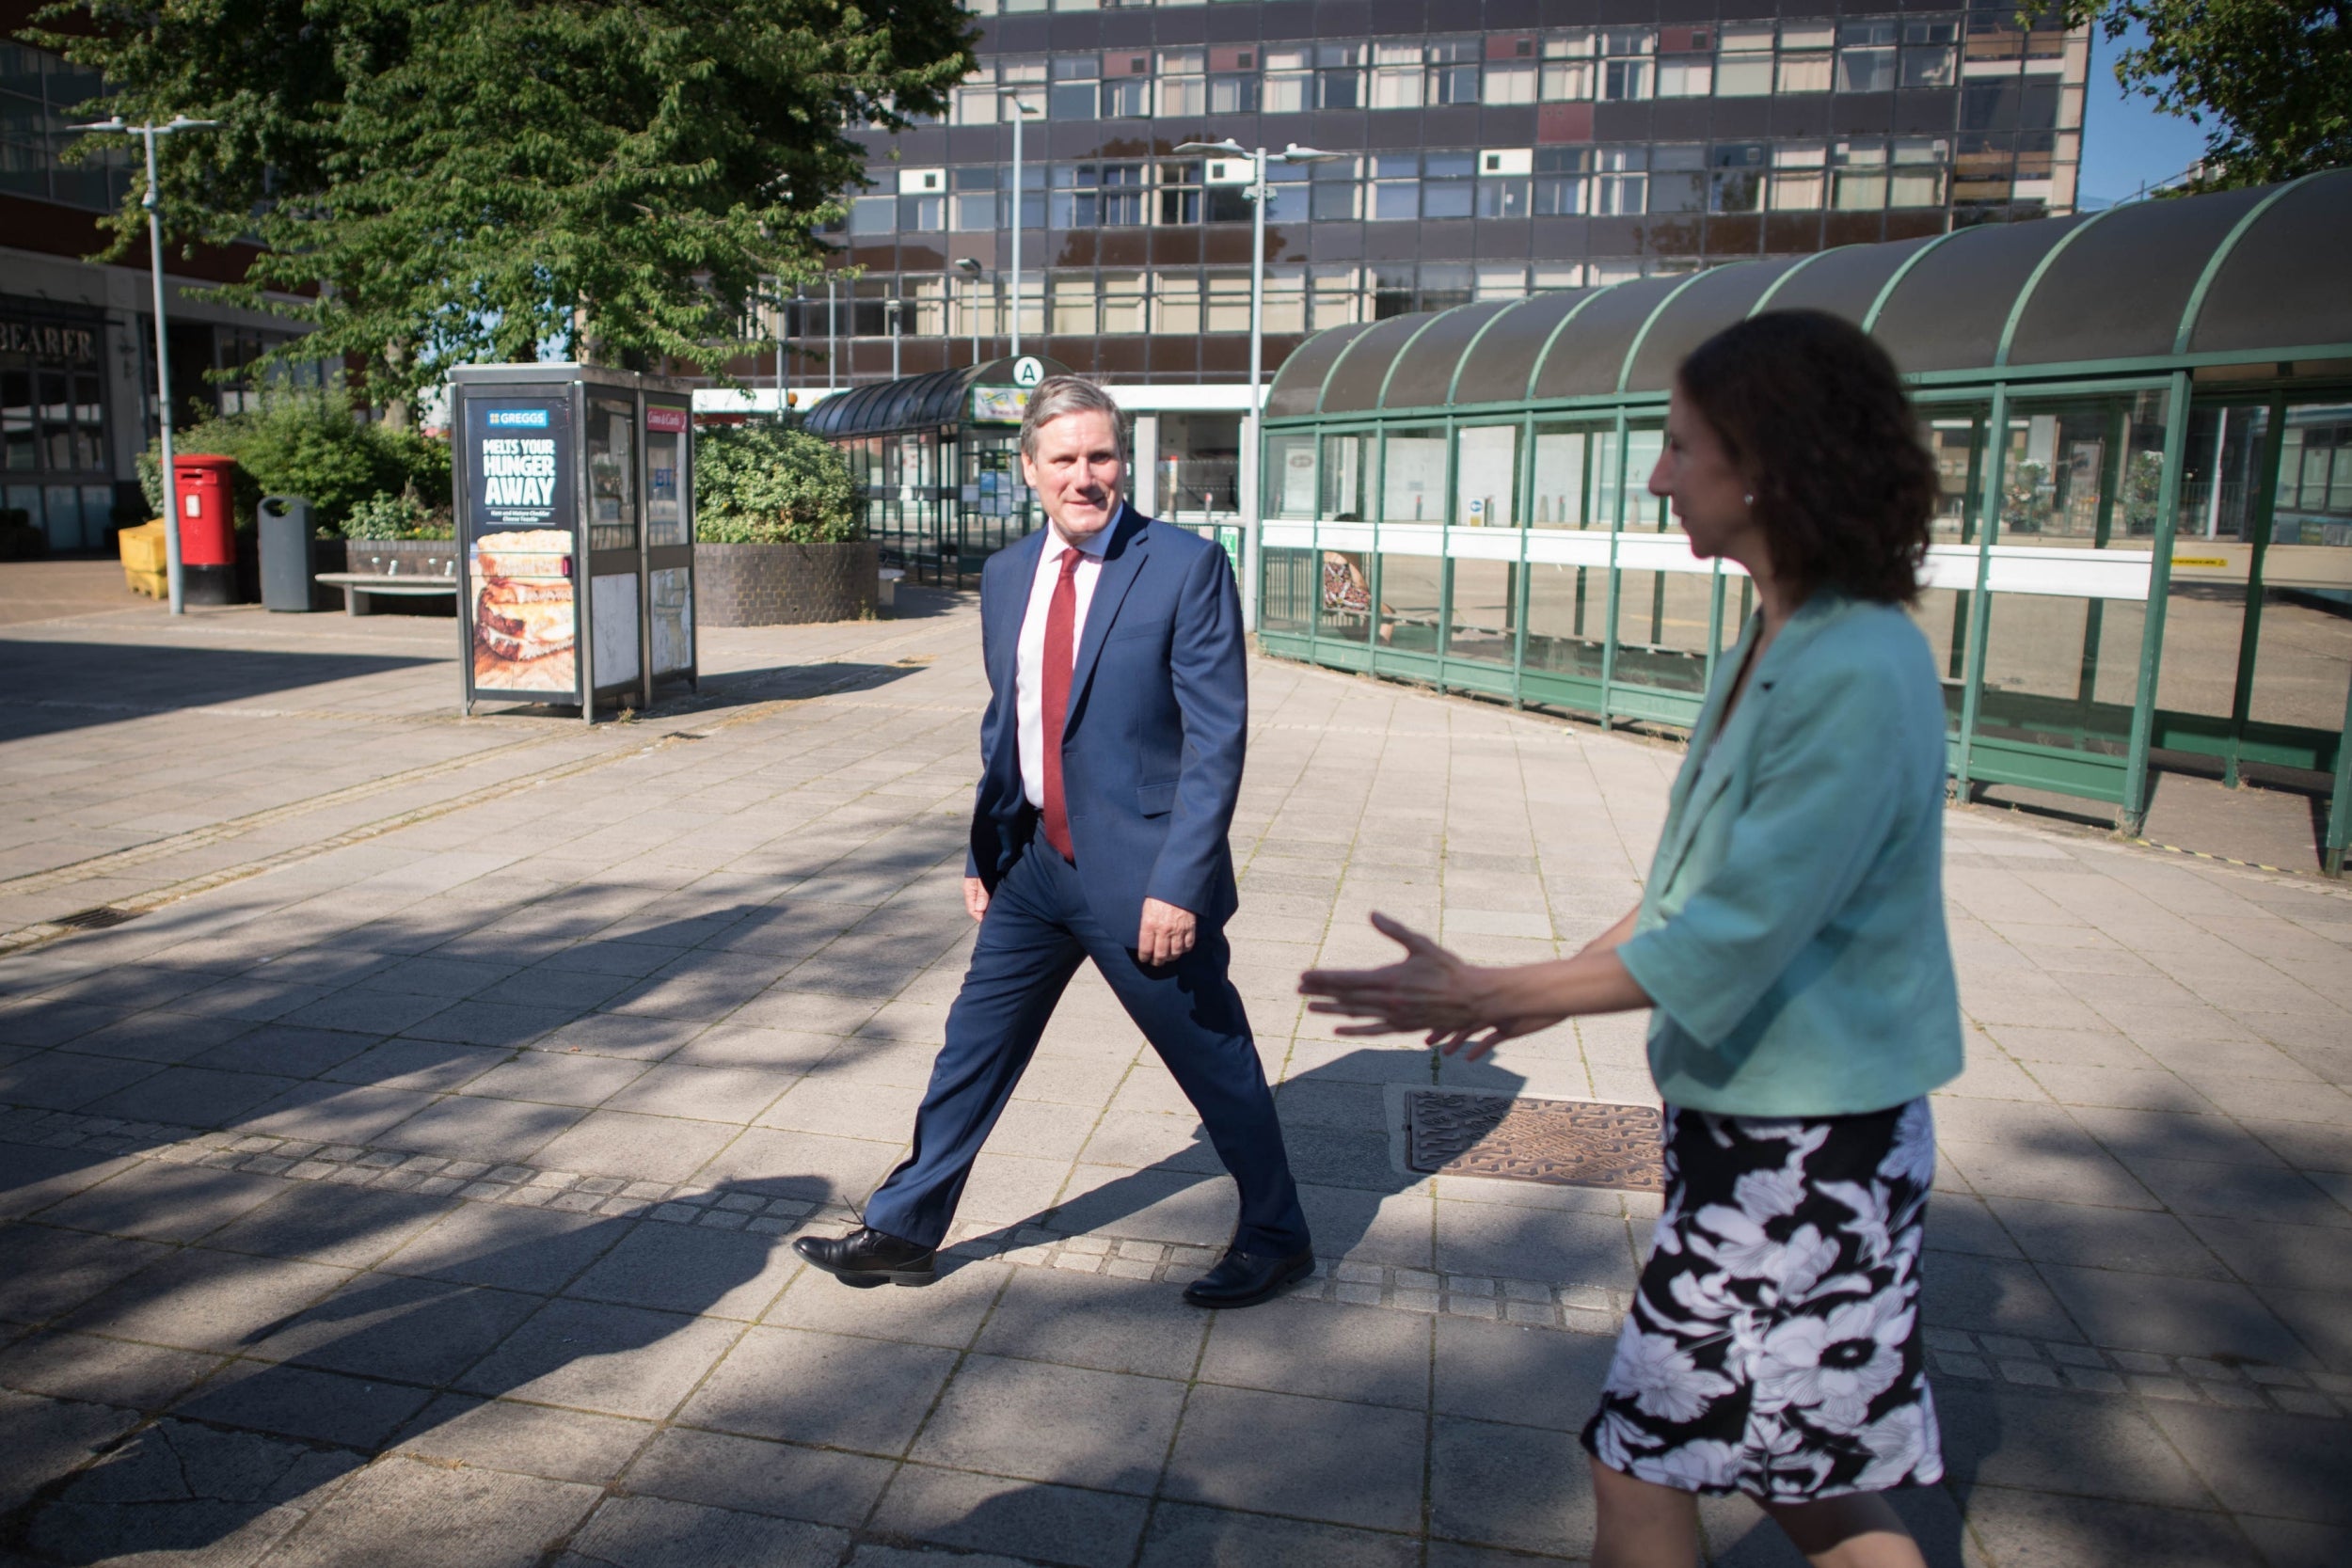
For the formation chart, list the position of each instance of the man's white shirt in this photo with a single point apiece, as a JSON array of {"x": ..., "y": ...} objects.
[{"x": 1030, "y": 659}]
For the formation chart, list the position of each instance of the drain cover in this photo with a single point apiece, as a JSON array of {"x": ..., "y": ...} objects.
[
  {"x": 97, "y": 919},
  {"x": 1561, "y": 1142}
]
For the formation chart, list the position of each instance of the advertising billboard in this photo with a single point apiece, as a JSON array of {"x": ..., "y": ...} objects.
[{"x": 524, "y": 616}]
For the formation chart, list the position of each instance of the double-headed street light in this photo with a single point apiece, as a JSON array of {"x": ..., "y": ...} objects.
[
  {"x": 1259, "y": 194},
  {"x": 163, "y": 360}
]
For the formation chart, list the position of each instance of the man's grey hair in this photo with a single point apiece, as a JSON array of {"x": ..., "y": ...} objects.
[{"x": 1058, "y": 395}]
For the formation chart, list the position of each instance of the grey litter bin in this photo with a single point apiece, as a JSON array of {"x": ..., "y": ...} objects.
[{"x": 287, "y": 564}]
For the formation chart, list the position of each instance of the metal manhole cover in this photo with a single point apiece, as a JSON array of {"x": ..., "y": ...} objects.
[
  {"x": 96, "y": 919},
  {"x": 1561, "y": 1143}
]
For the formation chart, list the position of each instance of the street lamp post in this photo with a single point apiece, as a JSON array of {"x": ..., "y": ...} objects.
[
  {"x": 892, "y": 307},
  {"x": 163, "y": 356},
  {"x": 1259, "y": 195},
  {"x": 1020, "y": 115},
  {"x": 970, "y": 267}
]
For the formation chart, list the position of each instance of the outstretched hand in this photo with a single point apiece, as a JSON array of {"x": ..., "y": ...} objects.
[{"x": 1429, "y": 990}]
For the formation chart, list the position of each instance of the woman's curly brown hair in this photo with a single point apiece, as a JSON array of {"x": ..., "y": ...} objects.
[{"x": 1812, "y": 411}]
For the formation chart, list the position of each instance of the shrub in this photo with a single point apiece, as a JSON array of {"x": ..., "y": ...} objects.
[
  {"x": 763, "y": 483},
  {"x": 388, "y": 516},
  {"x": 306, "y": 446}
]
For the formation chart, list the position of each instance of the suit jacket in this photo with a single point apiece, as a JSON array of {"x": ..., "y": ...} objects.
[
  {"x": 1791, "y": 932},
  {"x": 1158, "y": 721}
]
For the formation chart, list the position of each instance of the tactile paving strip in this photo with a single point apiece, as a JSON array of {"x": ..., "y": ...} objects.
[{"x": 1561, "y": 1142}]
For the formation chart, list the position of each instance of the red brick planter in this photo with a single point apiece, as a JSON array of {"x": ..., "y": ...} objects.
[{"x": 776, "y": 585}]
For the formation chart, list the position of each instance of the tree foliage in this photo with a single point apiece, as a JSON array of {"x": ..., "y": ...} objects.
[
  {"x": 765, "y": 483},
  {"x": 2269, "y": 81},
  {"x": 458, "y": 179}
]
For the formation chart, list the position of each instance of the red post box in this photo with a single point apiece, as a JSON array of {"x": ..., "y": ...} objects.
[{"x": 208, "y": 528}]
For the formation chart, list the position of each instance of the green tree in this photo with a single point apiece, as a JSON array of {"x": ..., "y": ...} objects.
[
  {"x": 767, "y": 483},
  {"x": 452, "y": 181},
  {"x": 2269, "y": 81}
]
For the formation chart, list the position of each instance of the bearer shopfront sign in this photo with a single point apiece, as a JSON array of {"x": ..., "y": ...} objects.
[{"x": 576, "y": 576}]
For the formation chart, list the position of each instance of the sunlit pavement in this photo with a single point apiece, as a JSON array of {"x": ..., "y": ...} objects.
[{"x": 409, "y": 1181}]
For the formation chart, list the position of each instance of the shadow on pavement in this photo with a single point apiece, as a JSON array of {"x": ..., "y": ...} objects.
[
  {"x": 260, "y": 1406},
  {"x": 103, "y": 683}
]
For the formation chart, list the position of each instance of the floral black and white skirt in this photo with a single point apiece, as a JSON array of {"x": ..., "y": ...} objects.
[{"x": 1773, "y": 1343}]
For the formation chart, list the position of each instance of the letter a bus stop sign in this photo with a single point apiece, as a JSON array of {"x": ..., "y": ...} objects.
[{"x": 1027, "y": 372}]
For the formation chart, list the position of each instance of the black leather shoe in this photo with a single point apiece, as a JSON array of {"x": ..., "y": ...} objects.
[
  {"x": 1245, "y": 1278},
  {"x": 867, "y": 1257}
]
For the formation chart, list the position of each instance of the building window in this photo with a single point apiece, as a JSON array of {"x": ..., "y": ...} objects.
[
  {"x": 1337, "y": 196},
  {"x": 1511, "y": 81},
  {"x": 1452, "y": 76},
  {"x": 1865, "y": 56},
  {"x": 1180, "y": 192},
  {"x": 1289, "y": 184},
  {"x": 1860, "y": 170},
  {"x": 1125, "y": 201},
  {"x": 1396, "y": 76},
  {"x": 1502, "y": 196},
  {"x": 1918, "y": 178},
  {"x": 1567, "y": 74},
  {"x": 1686, "y": 75},
  {"x": 974, "y": 103},
  {"x": 1072, "y": 305},
  {"x": 1805, "y": 63},
  {"x": 1447, "y": 190},
  {"x": 922, "y": 214},
  {"x": 41, "y": 94},
  {"x": 873, "y": 215},
  {"x": 1395, "y": 187},
  {"x": 973, "y": 202},
  {"x": 1677, "y": 178},
  {"x": 1234, "y": 95},
  {"x": 1290, "y": 81},
  {"x": 1620, "y": 181},
  {"x": 1283, "y": 308},
  {"x": 1799, "y": 183},
  {"x": 1075, "y": 93},
  {"x": 1929, "y": 55},
  {"x": 1744, "y": 69},
  {"x": 1184, "y": 91},
  {"x": 1123, "y": 303},
  {"x": 1625, "y": 66},
  {"x": 1176, "y": 302},
  {"x": 1339, "y": 75},
  {"x": 1735, "y": 176}
]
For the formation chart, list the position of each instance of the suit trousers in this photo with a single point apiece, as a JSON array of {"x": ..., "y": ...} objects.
[{"x": 1038, "y": 929}]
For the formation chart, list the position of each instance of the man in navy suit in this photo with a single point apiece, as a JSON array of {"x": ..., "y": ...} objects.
[{"x": 1111, "y": 759}]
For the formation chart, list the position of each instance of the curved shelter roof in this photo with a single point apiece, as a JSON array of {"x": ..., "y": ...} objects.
[
  {"x": 913, "y": 402},
  {"x": 2250, "y": 274}
]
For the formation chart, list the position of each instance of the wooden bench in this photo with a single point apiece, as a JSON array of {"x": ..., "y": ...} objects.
[{"x": 358, "y": 586}]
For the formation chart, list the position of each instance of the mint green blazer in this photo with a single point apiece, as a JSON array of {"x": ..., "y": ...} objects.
[{"x": 1791, "y": 933}]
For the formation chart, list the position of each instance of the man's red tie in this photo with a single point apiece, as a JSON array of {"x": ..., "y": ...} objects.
[{"x": 1061, "y": 652}]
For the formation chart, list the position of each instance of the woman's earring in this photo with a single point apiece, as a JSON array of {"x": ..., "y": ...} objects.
[{"x": 1748, "y": 500}]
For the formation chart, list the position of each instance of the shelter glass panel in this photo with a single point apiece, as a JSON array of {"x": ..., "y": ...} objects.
[
  {"x": 1483, "y": 612},
  {"x": 1412, "y": 480},
  {"x": 1288, "y": 595},
  {"x": 1346, "y": 478},
  {"x": 1290, "y": 476},
  {"x": 1486, "y": 476},
  {"x": 1412, "y": 591},
  {"x": 1565, "y": 615},
  {"x": 2303, "y": 653}
]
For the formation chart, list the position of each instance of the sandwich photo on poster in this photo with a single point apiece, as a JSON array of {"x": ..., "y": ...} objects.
[{"x": 520, "y": 546}]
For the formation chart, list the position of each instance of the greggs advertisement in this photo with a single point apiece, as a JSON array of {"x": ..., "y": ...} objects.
[{"x": 518, "y": 455}]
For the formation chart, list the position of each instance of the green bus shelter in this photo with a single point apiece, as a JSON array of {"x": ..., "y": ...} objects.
[{"x": 2142, "y": 419}]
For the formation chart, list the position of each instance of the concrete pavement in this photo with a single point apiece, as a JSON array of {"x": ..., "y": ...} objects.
[{"x": 410, "y": 1181}]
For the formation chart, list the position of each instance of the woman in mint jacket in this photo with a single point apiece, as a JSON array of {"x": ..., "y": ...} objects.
[{"x": 1790, "y": 941}]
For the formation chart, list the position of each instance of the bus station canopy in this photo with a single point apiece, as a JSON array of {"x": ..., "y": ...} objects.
[
  {"x": 935, "y": 401},
  {"x": 2159, "y": 285}
]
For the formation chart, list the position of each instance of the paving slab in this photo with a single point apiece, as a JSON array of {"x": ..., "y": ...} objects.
[{"x": 422, "y": 1164}]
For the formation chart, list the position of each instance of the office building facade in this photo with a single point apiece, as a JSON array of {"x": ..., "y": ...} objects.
[
  {"x": 77, "y": 338},
  {"x": 1484, "y": 150}
]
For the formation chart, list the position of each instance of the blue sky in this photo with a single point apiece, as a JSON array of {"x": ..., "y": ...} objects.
[{"x": 2126, "y": 143}]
